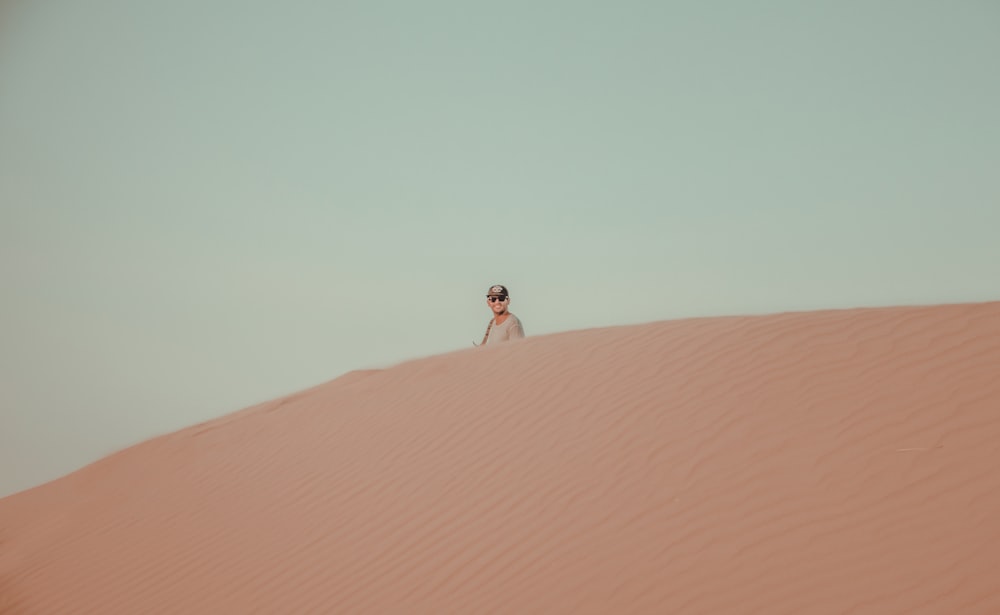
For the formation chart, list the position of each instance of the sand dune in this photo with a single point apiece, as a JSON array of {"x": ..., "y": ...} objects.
[{"x": 823, "y": 462}]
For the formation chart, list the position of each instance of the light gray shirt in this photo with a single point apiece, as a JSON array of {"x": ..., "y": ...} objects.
[{"x": 509, "y": 329}]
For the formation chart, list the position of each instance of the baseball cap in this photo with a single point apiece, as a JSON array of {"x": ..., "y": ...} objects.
[{"x": 498, "y": 289}]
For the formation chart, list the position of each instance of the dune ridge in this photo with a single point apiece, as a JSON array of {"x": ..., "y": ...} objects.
[{"x": 839, "y": 461}]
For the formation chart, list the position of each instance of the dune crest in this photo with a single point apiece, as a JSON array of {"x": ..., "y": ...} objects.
[{"x": 821, "y": 462}]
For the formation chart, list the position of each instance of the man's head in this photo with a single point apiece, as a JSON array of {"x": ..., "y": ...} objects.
[{"x": 497, "y": 298}]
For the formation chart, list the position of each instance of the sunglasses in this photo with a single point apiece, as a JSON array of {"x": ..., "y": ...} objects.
[{"x": 494, "y": 298}]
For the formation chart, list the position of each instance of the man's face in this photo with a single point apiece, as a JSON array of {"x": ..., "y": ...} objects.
[{"x": 498, "y": 303}]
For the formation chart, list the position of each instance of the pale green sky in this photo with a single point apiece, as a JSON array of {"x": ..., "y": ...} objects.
[{"x": 204, "y": 205}]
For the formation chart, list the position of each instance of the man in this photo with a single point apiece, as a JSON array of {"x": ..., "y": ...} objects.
[{"x": 503, "y": 326}]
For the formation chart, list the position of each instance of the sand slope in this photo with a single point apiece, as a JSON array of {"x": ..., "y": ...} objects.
[{"x": 824, "y": 462}]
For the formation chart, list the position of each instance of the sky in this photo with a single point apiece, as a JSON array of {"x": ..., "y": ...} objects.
[{"x": 206, "y": 205}]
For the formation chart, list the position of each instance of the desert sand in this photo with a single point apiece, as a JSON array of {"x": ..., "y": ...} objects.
[{"x": 843, "y": 461}]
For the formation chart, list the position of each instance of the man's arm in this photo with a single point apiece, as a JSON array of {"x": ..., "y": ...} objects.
[{"x": 517, "y": 331}]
